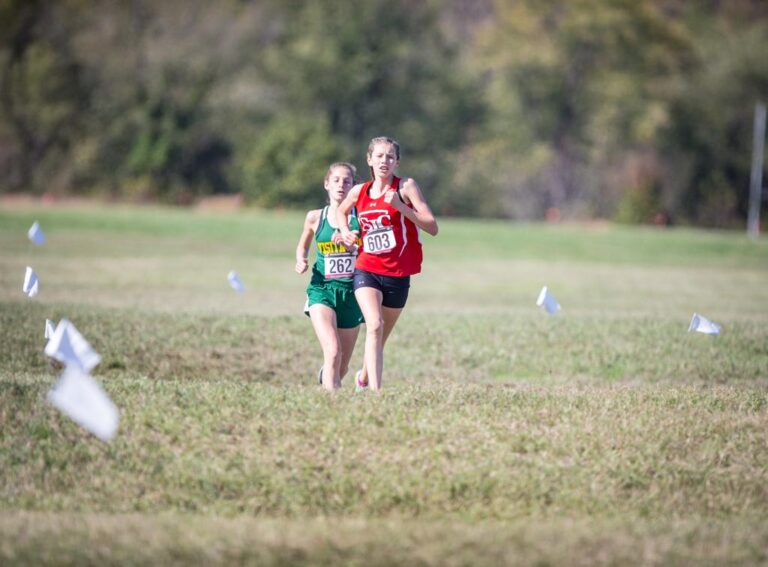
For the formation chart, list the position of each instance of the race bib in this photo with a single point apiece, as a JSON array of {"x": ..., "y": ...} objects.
[
  {"x": 380, "y": 241},
  {"x": 339, "y": 265}
]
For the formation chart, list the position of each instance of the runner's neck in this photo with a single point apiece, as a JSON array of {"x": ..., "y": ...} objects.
[
  {"x": 331, "y": 215},
  {"x": 380, "y": 185}
]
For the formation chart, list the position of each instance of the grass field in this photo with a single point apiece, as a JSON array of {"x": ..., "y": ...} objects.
[{"x": 605, "y": 435}]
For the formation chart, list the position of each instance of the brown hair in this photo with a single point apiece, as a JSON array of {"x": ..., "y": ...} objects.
[
  {"x": 383, "y": 140},
  {"x": 352, "y": 169}
]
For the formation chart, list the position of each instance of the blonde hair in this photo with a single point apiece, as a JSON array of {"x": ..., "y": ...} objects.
[{"x": 383, "y": 140}]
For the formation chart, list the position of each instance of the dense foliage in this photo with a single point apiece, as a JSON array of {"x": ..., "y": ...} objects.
[{"x": 638, "y": 110}]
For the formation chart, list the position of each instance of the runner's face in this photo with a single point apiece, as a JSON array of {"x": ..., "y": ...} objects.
[
  {"x": 383, "y": 160},
  {"x": 339, "y": 183}
]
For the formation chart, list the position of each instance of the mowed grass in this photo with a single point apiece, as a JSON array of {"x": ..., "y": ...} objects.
[{"x": 604, "y": 435}]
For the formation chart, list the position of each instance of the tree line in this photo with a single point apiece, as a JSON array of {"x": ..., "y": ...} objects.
[{"x": 635, "y": 110}]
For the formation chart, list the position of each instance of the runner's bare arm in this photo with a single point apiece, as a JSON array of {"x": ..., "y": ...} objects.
[
  {"x": 421, "y": 215},
  {"x": 348, "y": 237},
  {"x": 302, "y": 248}
]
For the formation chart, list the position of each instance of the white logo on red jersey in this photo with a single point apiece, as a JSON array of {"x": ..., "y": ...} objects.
[{"x": 375, "y": 220}]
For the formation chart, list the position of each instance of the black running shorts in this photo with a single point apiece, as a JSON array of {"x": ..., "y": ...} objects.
[{"x": 394, "y": 289}]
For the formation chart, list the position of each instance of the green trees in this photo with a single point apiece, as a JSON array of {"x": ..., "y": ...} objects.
[
  {"x": 633, "y": 109},
  {"x": 570, "y": 99},
  {"x": 286, "y": 165},
  {"x": 151, "y": 130},
  {"x": 345, "y": 71},
  {"x": 710, "y": 128},
  {"x": 42, "y": 93}
]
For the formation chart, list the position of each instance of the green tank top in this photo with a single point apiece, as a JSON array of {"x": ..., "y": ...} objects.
[{"x": 334, "y": 263}]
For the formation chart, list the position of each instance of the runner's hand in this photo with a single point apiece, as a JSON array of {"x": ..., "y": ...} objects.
[
  {"x": 337, "y": 239},
  {"x": 301, "y": 266},
  {"x": 392, "y": 198},
  {"x": 349, "y": 237}
]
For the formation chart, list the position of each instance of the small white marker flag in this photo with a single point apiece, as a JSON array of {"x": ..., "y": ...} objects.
[
  {"x": 81, "y": 398},
  {"x": 50, "y": 328},
  {"x": 36, "y": 235},
  {"x": 235, "y": 282},
  {"x": 548, "y": 301},
  {"x": 31, "y": 284},
  {"x": 701, "y": 324},
  {"x": 69, "y": 347}
]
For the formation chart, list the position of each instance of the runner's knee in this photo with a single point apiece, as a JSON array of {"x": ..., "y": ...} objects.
[
  {"x": 332, "y": 352},
  {"x": 375, "y": 326}
]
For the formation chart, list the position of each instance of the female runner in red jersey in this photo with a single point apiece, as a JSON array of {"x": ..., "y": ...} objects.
[{"x": 391, "y": 210}]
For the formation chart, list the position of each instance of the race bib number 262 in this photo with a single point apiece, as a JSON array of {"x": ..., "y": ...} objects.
[{"x": 339, "y": 265}]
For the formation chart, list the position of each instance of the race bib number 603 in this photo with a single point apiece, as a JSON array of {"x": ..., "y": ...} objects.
[{"x": 380, "y": 241}]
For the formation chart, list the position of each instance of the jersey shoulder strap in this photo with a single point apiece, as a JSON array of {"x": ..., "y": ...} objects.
[
  {"x": 396, "y": 186},
  {"x": 321, "y": 222}
]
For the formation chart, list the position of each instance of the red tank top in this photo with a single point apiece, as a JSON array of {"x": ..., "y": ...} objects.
[{"x": 391, "y": 245}]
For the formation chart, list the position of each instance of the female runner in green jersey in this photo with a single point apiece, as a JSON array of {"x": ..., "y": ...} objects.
[{"x": 332, "y": 306}]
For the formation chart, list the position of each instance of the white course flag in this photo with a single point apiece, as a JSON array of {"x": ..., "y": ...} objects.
[
  {"x": 82, "y": 399},
  {"x": 50, "y": 328},
  {"x": 548, "y": 301},
  {"x": 69, "y": 347},
  {"x": 234, "y": 281},
  {"x": 31, "y": 284},
  {"x": 701, "y": 324},
  {"x": 35, "y": 234}
]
